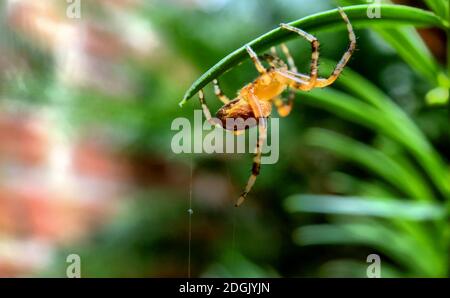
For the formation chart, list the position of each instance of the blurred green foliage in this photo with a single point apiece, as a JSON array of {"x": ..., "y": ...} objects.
[{"x": 371, "y": 145}]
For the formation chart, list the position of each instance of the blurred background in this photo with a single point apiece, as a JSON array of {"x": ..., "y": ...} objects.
[{"x": 86, "y": 106}]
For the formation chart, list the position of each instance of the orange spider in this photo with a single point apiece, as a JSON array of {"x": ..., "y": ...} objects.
[{"x": 255, "y": 99}]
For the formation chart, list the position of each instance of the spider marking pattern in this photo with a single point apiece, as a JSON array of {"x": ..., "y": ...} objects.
[{"x": 255, "y": 99}]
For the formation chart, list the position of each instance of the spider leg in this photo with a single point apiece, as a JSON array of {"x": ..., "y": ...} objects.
[
  {"x": 274, "y": 61},
  {"x": 285, "y": 108},
  {"x": 289, "y": 58},
  {"x": 315, "y": 51},
  {"x": 273, "y": 51},
  {"x": 255, "y": 60},
  {"x": 273, "y": 57},
  {"x": 303, "y": 77},
  {"x": 262, "y": 135},
  {"x": 293, "y": 80},
  {"x": 218, "y": 91},
  {"x": 340, "y": 66},
  {"x": 206, "y": 111}
]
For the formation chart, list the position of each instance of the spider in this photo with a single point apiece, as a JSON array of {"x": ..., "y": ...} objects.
[{"x": 255, "y": 99}]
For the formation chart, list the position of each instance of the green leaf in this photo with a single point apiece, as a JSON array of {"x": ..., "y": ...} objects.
[
  {"x": 345, "y": 184},
  {"x": 380, "y": 207},
  {"x": 412, "y": 138},
  {"x": 393, "y": 15},
  {"x": 376, "y": 235},
  {"x": 404, "y": 178},
  {"x": 440, "y": 95},
  {"x": 351, "y": 108},
  {"x": 437, "y": 96},
  {"x": 355, "y": 269},
  {"x": 440, "y": 7},
  {"x": 404, "y": 220},
  {"x": 409, "y": 45},
  {"x": 380, "y": 113},
  {"x": 234, "y": 265}
]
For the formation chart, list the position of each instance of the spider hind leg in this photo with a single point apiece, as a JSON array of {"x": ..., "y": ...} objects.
[{"x": 262, "y": 135}]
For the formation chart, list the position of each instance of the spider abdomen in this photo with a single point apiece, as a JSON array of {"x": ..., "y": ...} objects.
[{"x": 238, "y": 114}]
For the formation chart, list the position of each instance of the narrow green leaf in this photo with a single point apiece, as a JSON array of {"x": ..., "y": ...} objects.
[
  {"x": 440, "y": 7},
  {"x": 355, "y": 269},
  {"x": 408, "y": 44},
  {"x": 346, "y": 184},
  {"x": 383, "y": 115},
  {"x": 437, "y": 96},
  {"x": 404, "y": 217},
  {"x": 376, "y": 235},
  {"x": 380, "y": 207},
  {"x": 404, "y": 179},
  {"x": 351, "y": 108},
  {"x": 393, "y": 15}
]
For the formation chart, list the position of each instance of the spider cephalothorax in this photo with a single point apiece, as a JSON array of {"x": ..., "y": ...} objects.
[{"x": 254, "y": 100}]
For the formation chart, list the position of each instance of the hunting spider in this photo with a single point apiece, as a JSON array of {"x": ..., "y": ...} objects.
[{"x": 255, "y": 99}]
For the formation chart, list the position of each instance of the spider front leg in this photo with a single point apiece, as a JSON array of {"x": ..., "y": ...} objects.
[
  {"x": 314, "y": 56},
  {"x": 219, "y": 93},
  {"x": 259, "y": 67},
  {"x": 344, "y": 60},
  {"x": 206, "y": 111},
  {"x": 262, "y": 135}
]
